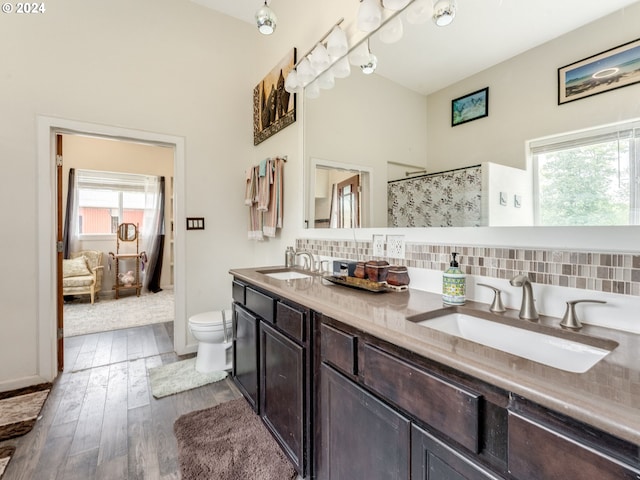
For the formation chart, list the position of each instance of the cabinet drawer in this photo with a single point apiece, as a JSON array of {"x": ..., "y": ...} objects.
[
  {"x": 536, "y": 451},
  {"x": 339, "y": 349},
  {"x": 259, "y": 303},
  {"x": 292, "y": 321},
  {"x": 444, "y": 406},
  {"x": 237, "y": 292}
]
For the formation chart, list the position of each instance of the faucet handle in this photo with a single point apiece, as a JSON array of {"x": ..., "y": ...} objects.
[
  {"x": 570, "y": 318},
  {"x": 496, "y": 306}
]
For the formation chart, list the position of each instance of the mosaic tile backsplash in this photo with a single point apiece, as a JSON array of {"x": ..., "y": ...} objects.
[{"x": 604, "y": 272}]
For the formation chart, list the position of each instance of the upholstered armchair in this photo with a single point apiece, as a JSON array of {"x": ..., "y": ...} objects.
[{"x": 82, "y": 273}]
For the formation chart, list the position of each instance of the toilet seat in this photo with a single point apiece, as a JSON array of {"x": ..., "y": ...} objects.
[{"x": 210, "y": 321}]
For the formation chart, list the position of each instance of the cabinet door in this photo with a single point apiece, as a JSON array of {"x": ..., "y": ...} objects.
[
  {"x": 537, "y": 451},
  {"x": 361, "y": 437},
  {"x": 245, "y": 354},
  {"x": 282, "y": 387},
  {"x": 432, "y": 459}
]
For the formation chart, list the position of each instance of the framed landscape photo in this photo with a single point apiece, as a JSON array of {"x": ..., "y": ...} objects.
[
  {"x": 273, "y": 107},
  {"x": 608, "y": 70},
  {"x": 470, "y": 107}
]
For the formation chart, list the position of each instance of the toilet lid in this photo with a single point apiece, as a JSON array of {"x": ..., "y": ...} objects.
[{"x": 210, "y": 318}]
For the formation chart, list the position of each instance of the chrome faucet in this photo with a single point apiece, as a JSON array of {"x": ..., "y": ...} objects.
[
  {"x": 309, "y": 261},
  {"x": 528, "y": 308}
]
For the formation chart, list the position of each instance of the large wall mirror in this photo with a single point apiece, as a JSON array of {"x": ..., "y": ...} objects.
[{"x": 396, "y": 124}]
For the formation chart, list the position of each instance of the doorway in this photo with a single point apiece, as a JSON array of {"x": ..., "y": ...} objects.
[
  {"x": 48, "y": 128},
  {"x": 115, "y": 181}
]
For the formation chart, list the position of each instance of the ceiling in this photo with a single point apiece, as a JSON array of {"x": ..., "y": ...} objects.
[{"x": 484, "y": 33}]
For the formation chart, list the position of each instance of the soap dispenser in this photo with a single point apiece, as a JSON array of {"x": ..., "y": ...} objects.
[
  {"x": 289, "y": 257},
  {"x": 453, "y": 283}
]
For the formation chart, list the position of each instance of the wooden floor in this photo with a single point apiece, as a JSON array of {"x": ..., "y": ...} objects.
[{"x": 101, "y": 421}]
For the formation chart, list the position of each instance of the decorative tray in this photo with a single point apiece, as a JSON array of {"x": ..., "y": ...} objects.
[{"x": 364, "y": 284}]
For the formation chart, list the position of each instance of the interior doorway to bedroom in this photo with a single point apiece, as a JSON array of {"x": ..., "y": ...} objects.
[{"x": 109, "y": 194}]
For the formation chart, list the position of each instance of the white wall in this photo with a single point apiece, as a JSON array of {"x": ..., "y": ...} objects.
[
  {"x": 162, "y": 66},
  {"x": 523, "y": 99}
]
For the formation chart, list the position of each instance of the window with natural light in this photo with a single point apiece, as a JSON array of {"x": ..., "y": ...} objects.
[
  {"x": 106, "y": 199},
  {"x": 588, "y": 178}
]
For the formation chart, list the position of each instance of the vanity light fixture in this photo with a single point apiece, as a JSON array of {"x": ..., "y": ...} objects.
[
  {"x": 395, "y": 4},
  {"x": 317, "y": 62},
  {"x": 444, "y": 11},
  {"x": 266, "y": 19}
]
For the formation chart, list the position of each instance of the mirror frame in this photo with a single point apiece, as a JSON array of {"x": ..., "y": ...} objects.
[{"x": 127, "y": 232}]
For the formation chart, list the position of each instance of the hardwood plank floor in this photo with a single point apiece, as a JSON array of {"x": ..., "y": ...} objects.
[{"x": 101, "y": 421}]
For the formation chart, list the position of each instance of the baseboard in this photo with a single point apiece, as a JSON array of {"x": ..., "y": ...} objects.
[{"x": 17, "y": 383}]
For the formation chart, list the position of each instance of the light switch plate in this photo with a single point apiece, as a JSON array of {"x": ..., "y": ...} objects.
[
  {"x": 378, "y": 245},
  {"x": 395, "y": 246}
]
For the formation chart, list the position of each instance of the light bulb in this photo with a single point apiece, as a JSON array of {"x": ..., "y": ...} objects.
[
  {"x": 337, "y": 44},
  {"x": 266, "y": 20},
  {"x": 444, "y": 12},
  {"x": 319, "y": 59},
  {"x": 305, "y": 72},
  {"x": 369, "y": 15},
  {"x": 291, "y": 82},
  {"x": 370, "y": 67}
]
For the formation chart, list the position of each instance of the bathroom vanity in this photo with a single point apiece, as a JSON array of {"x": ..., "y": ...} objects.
[{"x": 351, "y": 387}]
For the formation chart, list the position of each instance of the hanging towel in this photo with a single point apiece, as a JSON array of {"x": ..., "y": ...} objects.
[
  {"x": 273, "y": 217},
  {"x": 251, "y": 186},
  {"x": 264, "y": 187},
  {"x": 263, "y": 167}
]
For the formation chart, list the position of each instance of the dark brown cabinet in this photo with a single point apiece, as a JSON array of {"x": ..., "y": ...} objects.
[
  {"x": 272, "y": 367},
  {"x": 362, "y": 438},
  {"x": 282, "y": 383},
  {"x": 432, "y": 459},
  {"x": 245, "y": 354},
  {"x": 537, "y": 449}
]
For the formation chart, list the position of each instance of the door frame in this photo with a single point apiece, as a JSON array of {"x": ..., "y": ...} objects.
[{"x": 47, "y": 295}]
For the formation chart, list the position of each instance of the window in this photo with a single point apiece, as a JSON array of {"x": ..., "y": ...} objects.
[
  {"x": 588, "y": 178},
  {"x": 106, "y": 199}
]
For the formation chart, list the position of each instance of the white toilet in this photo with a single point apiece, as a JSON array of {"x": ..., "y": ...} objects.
[{"x": 213, "y": 352}]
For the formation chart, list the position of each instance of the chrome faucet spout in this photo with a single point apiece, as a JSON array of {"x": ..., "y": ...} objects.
[
  {"x": 528, "y": 308},
  {"x": 309, "y": 262}
]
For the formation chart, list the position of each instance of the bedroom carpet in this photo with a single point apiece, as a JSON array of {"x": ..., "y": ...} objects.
[
  {"x": 180, "y": 377},
  {"x": 229, "y": 442},
  {"x": 81, "y": 317}
]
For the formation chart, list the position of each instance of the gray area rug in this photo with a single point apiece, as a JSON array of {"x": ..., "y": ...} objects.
[
  {"x": 81, "y": 317},
  {"x": 179, "y": 377},
  {"x": 229, "y": 442}
]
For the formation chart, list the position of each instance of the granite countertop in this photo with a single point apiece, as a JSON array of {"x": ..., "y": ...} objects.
[{"x": 607, "y": 396}]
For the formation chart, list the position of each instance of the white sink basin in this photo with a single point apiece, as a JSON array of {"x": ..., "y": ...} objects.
[
  {"x": 287, "y": 275},
  {"x": 567, "y": 355}
]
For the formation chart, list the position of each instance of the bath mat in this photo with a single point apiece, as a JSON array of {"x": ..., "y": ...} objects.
[
  {"x": 179, "y": 377},
  {"x": 229, "y": 442},
  {"x": 19, "y": 409},
  {"x": 5, "y": 456}
]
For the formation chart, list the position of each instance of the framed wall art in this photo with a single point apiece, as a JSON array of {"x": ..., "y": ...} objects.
[
  {"x": 608, "y": 70},
  {"x": 273, "y": 107},
  {"x": 470, "y": 107}
]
